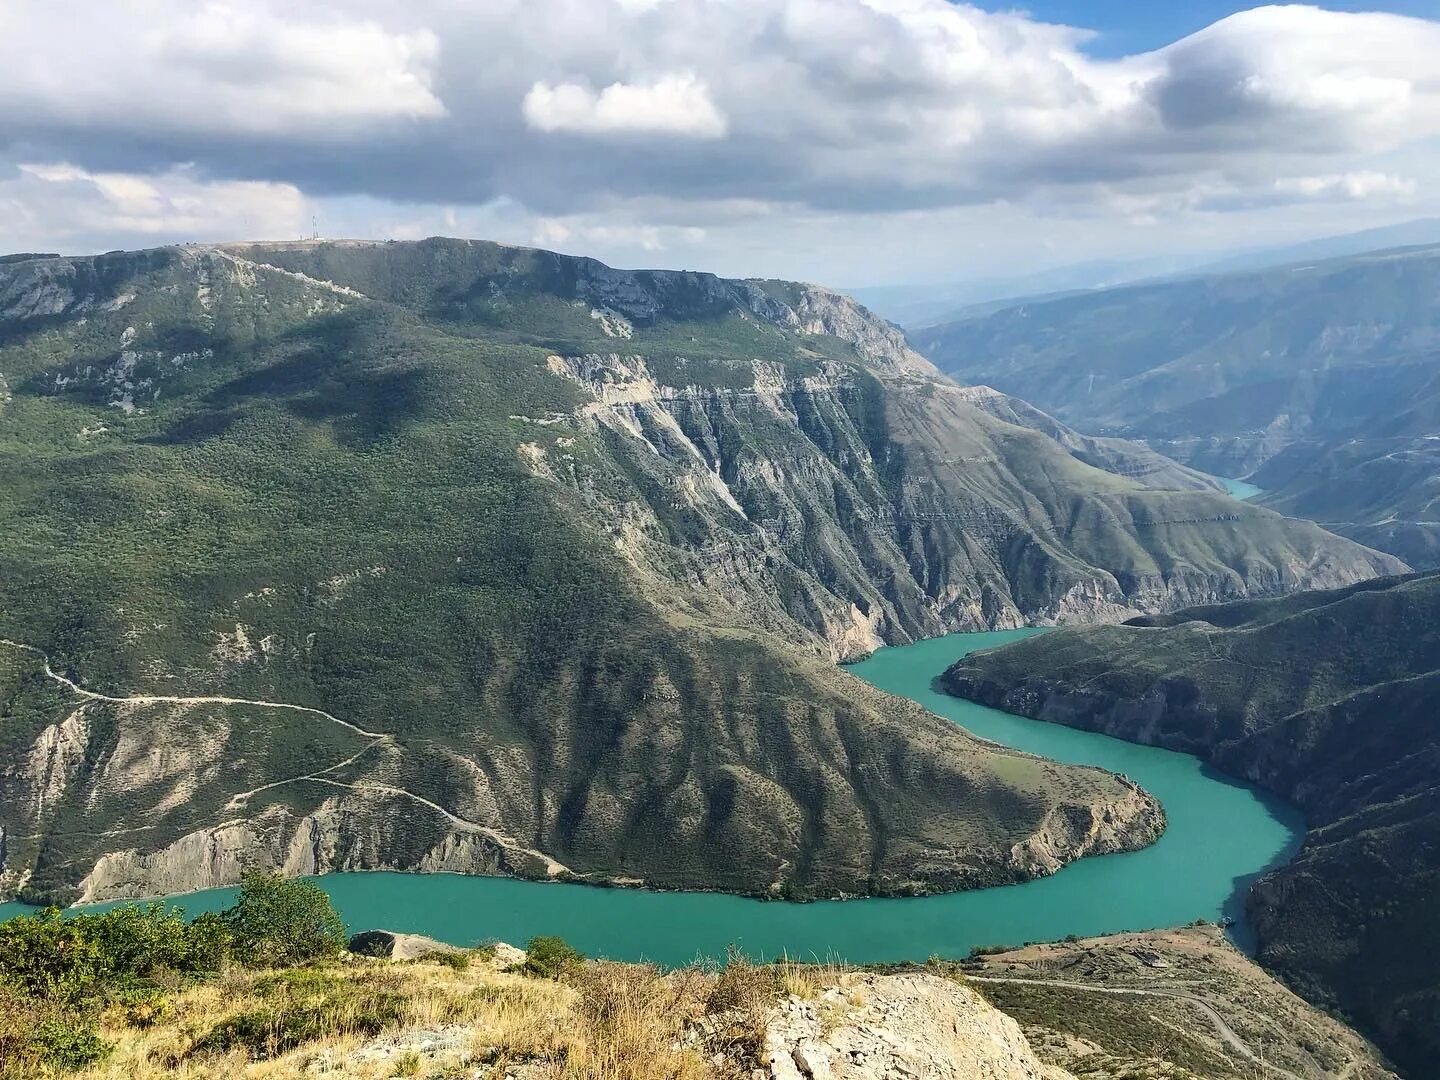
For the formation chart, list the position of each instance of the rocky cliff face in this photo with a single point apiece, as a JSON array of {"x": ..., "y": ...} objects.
[{"x": 869, "y": 508}]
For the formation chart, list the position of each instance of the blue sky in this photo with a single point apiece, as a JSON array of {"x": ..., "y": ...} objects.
[{"x": 1131, "y": 26}]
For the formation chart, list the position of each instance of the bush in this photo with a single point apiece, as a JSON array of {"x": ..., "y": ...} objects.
[
  {"x": 457, "y": 961},
  {"x": 41, "y": 1035},
  {"x": 276, "y": 922},
  {"x": 91, "y": 956},
  {"x": 48, "y": 956},
  {"x": 64, "y": 1044},
  {"x": 140, "y": 1006},
  {"x": 550, "y": 957}
]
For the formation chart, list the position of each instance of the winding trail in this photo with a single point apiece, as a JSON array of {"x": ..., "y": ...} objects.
[
  {"x": 165, "y": 699},
  {"x": 553, "y": 867},
  {"x": 1225, "y": 1031}
]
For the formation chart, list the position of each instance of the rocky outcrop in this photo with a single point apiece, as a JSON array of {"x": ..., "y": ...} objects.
[
  {"x": 892, "y": 1027},
  {"x": 1133, "y": 820},
  {"x": 345, "y": 834},
  {"x": 869, "y": 508},
  {"x": 388, "y": 945}
]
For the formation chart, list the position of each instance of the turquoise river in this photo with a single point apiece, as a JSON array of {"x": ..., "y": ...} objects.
[{"x": 1221, "y": 835}]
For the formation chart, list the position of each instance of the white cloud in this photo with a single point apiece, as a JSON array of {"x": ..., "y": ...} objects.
[
  {"x": 1351, "y": 185},
  {"x": 54, "y": 205},
  {"x": 156, "y": 67},
  {"x": 673, "y": 105},
  {"x": 666, "y": 114}
]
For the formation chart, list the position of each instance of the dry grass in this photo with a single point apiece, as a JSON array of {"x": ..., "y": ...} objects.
[{"x": 350, "y": 1019}]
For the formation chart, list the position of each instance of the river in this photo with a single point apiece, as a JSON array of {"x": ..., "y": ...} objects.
[
  {"x": 1239, "y": 489},
  {"x": 1221, "y": 835}
]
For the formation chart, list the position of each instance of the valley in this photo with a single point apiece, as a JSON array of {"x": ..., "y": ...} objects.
[
  {"x": 1217, "y": 833},
  {"x": 582, "y": 544},
  {"x": 1316, "y": 381}
]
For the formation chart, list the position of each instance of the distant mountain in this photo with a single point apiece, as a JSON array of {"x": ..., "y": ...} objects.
[
  {"x": 919, "y": 307},
  {"x": 1327, "y": 698},
  {"x": 1416, "y": 233},
  {"x": 1320, "y": 382}
]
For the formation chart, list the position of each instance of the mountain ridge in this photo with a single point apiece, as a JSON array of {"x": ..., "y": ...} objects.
[
  {"x": 1315, "y": 381},
  {"x": 557, "y": 531}
]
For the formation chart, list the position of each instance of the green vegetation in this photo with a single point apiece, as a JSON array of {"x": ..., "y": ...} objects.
[
  {"x": 1328, "y": 699},
  {"x": 276, "y": 922},
  {"x": 60, "y": 975},
  {"x": 550, "y": 957},
  {"x": 397, "y": 508}
]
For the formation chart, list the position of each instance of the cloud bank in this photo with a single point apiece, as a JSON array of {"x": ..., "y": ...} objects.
[{"x": 689, "y": 113}]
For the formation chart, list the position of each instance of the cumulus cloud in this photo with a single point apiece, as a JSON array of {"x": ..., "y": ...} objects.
[
  {"x": 49, "y": 204},
  {"x": 673, "y": 105},
  {"x": 1351, "y": 185},
  {"x": 662, "y": 111},
  {"x": 148, "y": 68}
]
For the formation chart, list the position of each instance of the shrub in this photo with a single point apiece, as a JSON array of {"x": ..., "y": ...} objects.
[
  {"x": 64, "y": 1044},
  {"x": 137, "y": 942},
  {"x": 550, "y": 957},
  {"x": 41, "y": 1035},
  {"x": 92, "y": 956},
  {"x": 140, "y": 1006},
  {"x": 210, "y": 942},
  {"x": 276, "y": 922},
  {"x": 457, "y": 961},
  {"x": 48, "y": 956}
]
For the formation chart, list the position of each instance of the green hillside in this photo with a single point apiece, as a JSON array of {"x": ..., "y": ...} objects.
[
  {"x": 1327, "y": 698},
  {"x": 1317, "y": 381},
  {"x": 554, "y": 561}
]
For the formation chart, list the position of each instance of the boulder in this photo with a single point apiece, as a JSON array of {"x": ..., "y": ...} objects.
[{"x": 392, "y": 946}]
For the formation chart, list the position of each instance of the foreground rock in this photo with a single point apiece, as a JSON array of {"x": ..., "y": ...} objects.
[
  {"x": 392, "y": 946},
  {"x": 869, "y": 1027}
]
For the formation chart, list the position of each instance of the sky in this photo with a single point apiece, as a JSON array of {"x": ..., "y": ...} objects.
[{"x": 851, "y": 142}]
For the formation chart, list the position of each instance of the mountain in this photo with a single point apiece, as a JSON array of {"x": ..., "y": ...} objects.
[
  {"x": 919, "y": 307},
  {"x": 1326, "y": 698},
  {"x": 1318, "y": 382},
  {"x": 453, "y": 556}
]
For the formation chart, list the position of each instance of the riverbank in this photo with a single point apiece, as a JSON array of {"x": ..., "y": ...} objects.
[{"x": 1221, "y": 835}]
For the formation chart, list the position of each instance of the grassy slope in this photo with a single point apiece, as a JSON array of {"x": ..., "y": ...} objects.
[
  {"x": 368, "y": 1019},
  {"x": 1325, "y": 697}
]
